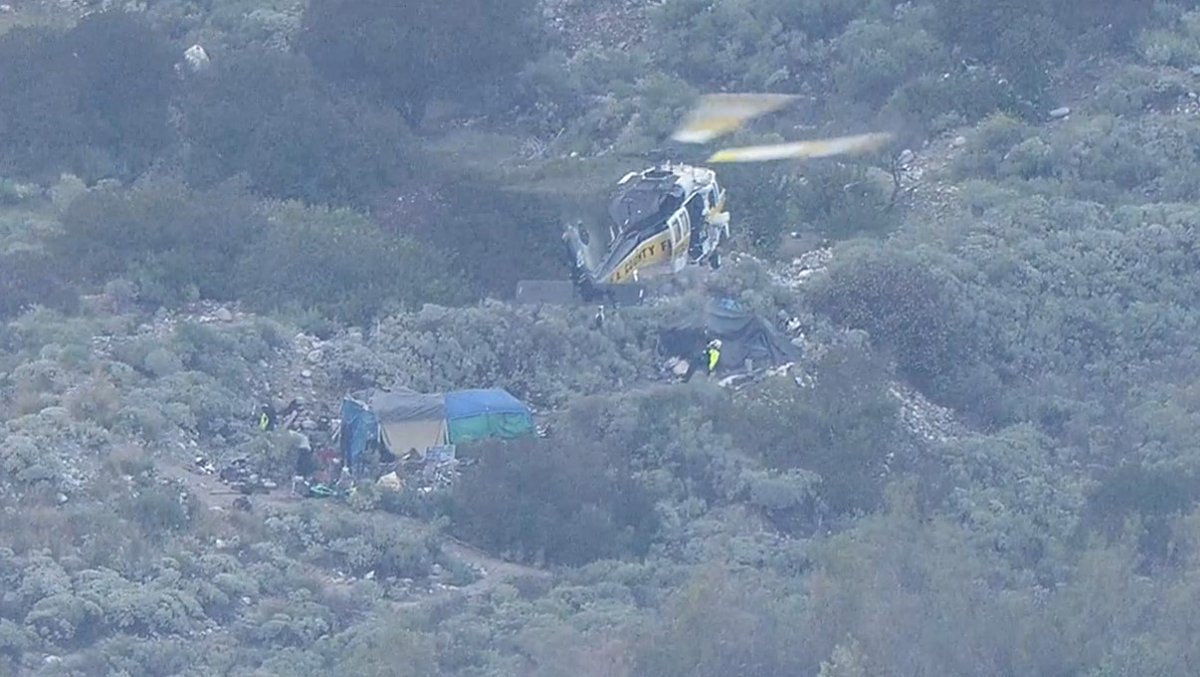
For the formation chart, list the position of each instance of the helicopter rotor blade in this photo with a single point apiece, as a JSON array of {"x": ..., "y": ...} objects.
[
  {"x": 719, "y": 114},
  {"x": 859, "y": 143}
]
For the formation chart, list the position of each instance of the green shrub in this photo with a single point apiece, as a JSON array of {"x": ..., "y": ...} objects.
[
  {"x": 353, "y": 44},
  {"x": 843, "y": 429},
  {"x": 262, "y": 113},
  {"x": 338, "y": 262},
  {"x": 29, "y": 278},
  {"x": 1177, "y": 45},
  {"x": 1022, "y": 39},
  {"x": 537, "y": 356},
  {"x": 987, "y": 149},
  {"x": 936, "y": 103},
  {"x": 873, "y": 58},
  {"x": 909, "y": 307},
  {"x": 92, "y": 99},
  {"x": 542, "y": 500},
  {"x": 168, "y": 238}
]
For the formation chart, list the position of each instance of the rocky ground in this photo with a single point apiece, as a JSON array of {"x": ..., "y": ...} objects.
[{"x": 581, "y": 24}]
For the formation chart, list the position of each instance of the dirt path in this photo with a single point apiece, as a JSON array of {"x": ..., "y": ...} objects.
[{"x": 492, "y": 571}]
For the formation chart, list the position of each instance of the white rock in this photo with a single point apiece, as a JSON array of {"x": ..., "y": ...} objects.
[
  {"x": 306, "y": 373},
  {"x": 224, "y": 315},
  {"x": 196, "y": 57},
  {"x": 1060, "y": 112},
  {"x": 960, "y": 141},
  {"x": 315, "y": 356}
]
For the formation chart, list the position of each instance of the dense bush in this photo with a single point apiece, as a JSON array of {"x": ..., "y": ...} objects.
[
  {"x": 843, "y": 429},
  {"x": 447, "y": 50},
  {"x": 28, "y": 278},
  {"x": 542, "y": 356},
  {"x": 822, "y": 199},
  {"x": 483, "y": 235},
  {"x": 264, "y": 114},
  {"x": 912, "y": 308},
  {"x": 562, "y": 502},
  {"x": 176, "y": 243},
  {"x": 339, "y": 263},
  {"x": 92, "y": 100}
]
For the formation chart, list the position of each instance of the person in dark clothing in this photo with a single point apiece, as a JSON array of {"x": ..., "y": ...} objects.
[{"x": 306, "y": 461}]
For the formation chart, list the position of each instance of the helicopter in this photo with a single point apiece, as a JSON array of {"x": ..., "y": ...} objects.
[{"x": 667, "y": 217}]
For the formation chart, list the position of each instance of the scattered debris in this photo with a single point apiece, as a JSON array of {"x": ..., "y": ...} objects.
[{"x": 924, "y": 418}]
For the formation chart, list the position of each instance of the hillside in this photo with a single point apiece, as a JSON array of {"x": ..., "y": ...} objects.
[{"x": 981, "y": 462}]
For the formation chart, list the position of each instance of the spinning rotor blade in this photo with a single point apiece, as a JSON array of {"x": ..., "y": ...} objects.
[
  {"x": 719, "y": 114},
  {"x": 859, "y": 143}
]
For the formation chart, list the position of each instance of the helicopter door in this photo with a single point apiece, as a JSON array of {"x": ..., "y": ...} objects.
[{"x": 678, "y": 226}]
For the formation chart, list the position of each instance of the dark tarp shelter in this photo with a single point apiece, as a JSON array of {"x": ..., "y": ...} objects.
[
  {"x": 402, "y": 420},
  {"x": 743, "y": 336}
]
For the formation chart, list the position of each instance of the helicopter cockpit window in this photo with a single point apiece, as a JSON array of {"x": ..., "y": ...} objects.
[{"x": 645, "y": 205}]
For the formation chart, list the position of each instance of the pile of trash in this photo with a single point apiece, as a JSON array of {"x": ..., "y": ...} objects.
[
  {"x": 435, "y": 470},
  {"x": 796, "y": 273}
]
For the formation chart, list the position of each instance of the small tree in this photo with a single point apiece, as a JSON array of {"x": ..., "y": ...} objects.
[
  {"x": 406, "y": 53},
  {"x": 92, "y": 100}
]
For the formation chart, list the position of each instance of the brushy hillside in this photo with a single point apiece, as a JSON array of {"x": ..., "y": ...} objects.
[{"x": 983, "y": 463}]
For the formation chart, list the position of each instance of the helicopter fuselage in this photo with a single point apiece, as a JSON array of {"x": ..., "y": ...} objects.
[{"x": 663, "y": 219}]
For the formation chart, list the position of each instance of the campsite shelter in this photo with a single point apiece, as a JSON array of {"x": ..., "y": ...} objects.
[
  {"x": 401, "y": 420},
  {"x": 743, "y": 335}
]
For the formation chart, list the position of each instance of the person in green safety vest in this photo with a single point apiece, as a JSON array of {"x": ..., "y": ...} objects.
[
  {"x": 267, "y": 417},
  {"x": 712, "y": 355}
]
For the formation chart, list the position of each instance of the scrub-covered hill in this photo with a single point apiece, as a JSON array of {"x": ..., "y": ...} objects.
[{"x": 981, "y": 460}]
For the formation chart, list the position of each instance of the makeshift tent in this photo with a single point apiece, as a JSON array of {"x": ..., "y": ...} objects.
[
  {"x": 743, "y": 336},
  {"x": 409, "y": 420},
  {"x": 480, "y": 414},
  {"x": 402, "y": 420}
]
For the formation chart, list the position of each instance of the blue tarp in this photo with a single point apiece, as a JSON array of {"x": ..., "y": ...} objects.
[
  {"x": 360, "y": 427},
  {"x": 468, "y": 403}
]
